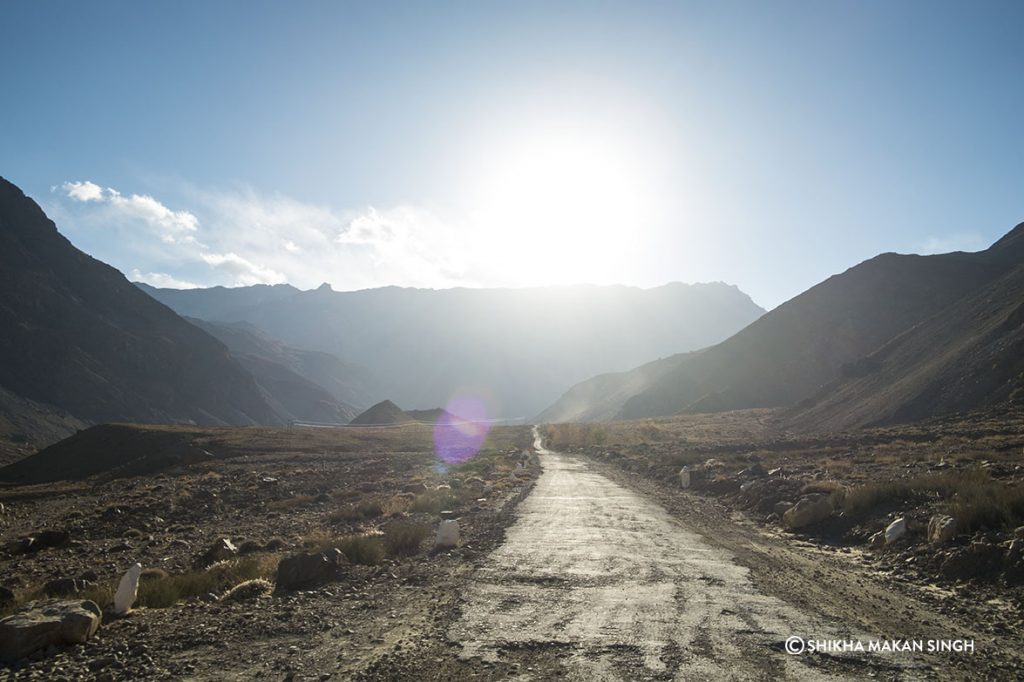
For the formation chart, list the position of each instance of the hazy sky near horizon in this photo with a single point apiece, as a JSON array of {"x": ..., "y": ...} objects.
[{"x": 768, "y": 145}]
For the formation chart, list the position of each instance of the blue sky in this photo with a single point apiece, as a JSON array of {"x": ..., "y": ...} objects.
[{"x": 768, "y": 145}]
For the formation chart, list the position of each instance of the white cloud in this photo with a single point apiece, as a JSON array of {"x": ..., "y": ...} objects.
[
  {"x": 244, "y": 271},
  {"x": 174, "y": 225},
  {"x": 162, "y": 280},
  {"x": 240, "y": 237},
  {"x": 83, "y": 191},
  {"x": 171, "y": 226}
]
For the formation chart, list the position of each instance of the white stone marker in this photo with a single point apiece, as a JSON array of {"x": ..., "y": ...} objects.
[{"x": 127, "y": 590}]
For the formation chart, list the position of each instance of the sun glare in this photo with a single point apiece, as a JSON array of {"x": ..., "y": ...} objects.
[{"x": 560, "y": 208}]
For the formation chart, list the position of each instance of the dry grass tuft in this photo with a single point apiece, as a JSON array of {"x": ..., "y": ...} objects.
[
  {"x": 248, "y": 590},
  {"x": 403, "y": 538}
]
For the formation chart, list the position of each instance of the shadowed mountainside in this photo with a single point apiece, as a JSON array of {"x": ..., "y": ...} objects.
[
  {"x": 27, "y": 425},
  {"x": 967, "y": 356},
  {"x": 78, "y": 336},
  {"x": 830, "y": 333},
  {"x": 299, "y": 384}
]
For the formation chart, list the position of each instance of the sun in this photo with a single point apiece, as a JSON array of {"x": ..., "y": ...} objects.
[{"x": 560, "y": 208}]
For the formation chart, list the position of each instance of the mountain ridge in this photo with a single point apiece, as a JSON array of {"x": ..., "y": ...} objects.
[
  {"x": 804, "y": 345},
  {"x": 519, "y": 347}
]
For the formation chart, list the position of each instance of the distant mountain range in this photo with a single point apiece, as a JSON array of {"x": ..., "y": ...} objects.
[
  {"x": 516, "y": 348},
  {"x": 896, "y": 338}
]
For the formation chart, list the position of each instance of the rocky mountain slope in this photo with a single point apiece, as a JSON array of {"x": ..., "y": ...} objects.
[
  {"x": 77, "y": 336},
  {"x": 831, "y": 333},
  {"x": 518, "y": 347},
  {"x": 299, "y": 384},
  {"x": 969, "y": 355},
  {"x": 27, "y": 425}
]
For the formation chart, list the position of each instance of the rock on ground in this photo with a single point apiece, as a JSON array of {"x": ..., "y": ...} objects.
[
  {"x": 895, "y": 530},
  {"x": 300, "y": 571},
  {"x": 808, "y": 511},
  {"x": 941, "y": 529},
  {"x": 66, "y": 622}
]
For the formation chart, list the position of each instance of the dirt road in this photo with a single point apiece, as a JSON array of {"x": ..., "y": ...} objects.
[{"x": 601, "y": 583}]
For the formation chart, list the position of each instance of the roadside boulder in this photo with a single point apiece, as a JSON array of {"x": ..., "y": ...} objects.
[
  {"x": 1014, "y": 571},
  {"x": 303, "y": 571},
  {"x": 941, "y": 529},
  {"x": 221, "y": 550},
  {"x": 44, "y": 539},
  {"x": 781, "y": 507},
  {"x": 47, "y": 539},
  {"x": 447, "y": 534},
  {"x": 981, "y": 560},
  {"x": 21, "y": 545},
  {"x": 808, "y": 511},
  {"x": 755, "y": 470},
  {"x": 65, "y": 587},
  {"x": 65, "y": 622},
  {"x": 895, "y": 530}
]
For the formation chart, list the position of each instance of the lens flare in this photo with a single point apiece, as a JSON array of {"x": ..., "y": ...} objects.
[{"x": 460, "y": 432}]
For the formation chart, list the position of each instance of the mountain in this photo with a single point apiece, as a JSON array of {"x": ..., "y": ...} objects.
[
  {"x": 27, "y": 425},
  {"x": 304, "y": 385},
  {"x": 220, "y": 303},
  {"x": 78, "y": 337},
  {"x": 602, "y": 397},
  {"x": 515, "y": 348},
  {"x": 386, "y": 413},
  {"x": 383, "y": 413},
  {"x": 969, "y": 355},
  {"x": 824, "y": 342},
  {"x": 432, "y": 416}
]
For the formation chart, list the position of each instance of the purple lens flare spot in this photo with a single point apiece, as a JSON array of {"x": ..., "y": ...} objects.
[{"x": 462, "y": 429}]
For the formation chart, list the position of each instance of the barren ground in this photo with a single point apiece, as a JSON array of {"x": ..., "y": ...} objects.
[{"x": 570, "y": 568}]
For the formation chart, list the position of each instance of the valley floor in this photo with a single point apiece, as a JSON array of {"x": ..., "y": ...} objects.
[{"x": 570, "y": 568}]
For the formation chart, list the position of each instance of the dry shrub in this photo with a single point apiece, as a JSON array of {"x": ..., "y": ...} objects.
[
  {"x": 290, "y": 503},
  {"x": 164, "y": 592},
  {"x": 436, "y": 501},
  {"x": 367, "y": 550},
  {"x": 152, "y": 574},
  {"x": 248, "y": 590},
  {"x": 972, "y": 497},
  {"x": 403, "y": 538},
  {"x": 822, "y": 487}
]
